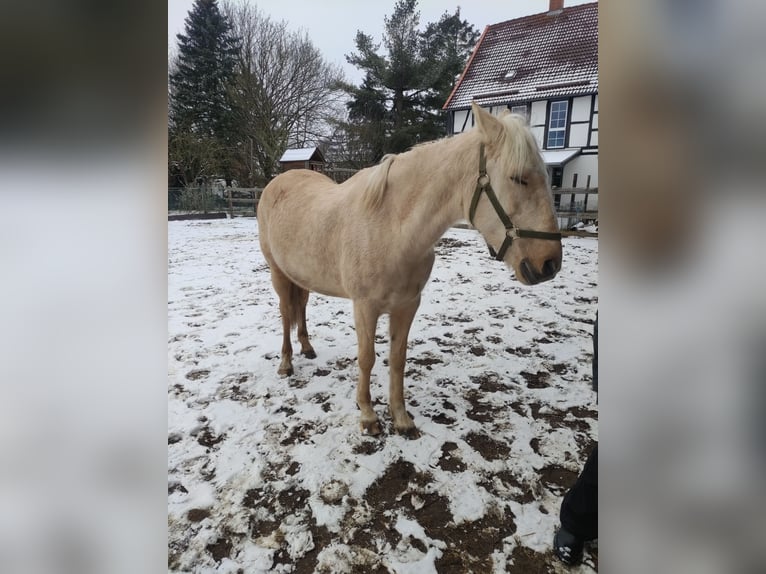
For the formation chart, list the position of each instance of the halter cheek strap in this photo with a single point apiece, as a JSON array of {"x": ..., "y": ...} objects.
[{"x": 512, "y": 232}]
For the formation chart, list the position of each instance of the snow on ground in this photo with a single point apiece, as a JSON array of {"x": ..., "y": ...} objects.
[{"x": 267, "y": 474}]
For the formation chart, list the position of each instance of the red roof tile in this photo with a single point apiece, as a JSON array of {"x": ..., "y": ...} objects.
[{"x": 549, "y": 56}]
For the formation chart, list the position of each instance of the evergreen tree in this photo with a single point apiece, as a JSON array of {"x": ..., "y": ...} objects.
[
  {"x": 399, "y": 102},
  {"x": 200, "y": 84}
]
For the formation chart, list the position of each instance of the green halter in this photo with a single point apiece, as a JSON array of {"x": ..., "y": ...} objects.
[{"x": 512, "y": 232}]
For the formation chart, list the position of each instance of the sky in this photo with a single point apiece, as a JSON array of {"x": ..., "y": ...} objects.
[{"x": 332, "y": 24}]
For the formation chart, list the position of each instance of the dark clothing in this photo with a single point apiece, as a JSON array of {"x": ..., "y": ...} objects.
[
  {"x": 579, "y": 509},
  {"x": 594, "y": 366}
]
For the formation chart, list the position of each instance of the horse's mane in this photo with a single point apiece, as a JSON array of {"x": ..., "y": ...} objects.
[
  {"x": 519, "y": 147},
  {"x": 376, "y": 183}
]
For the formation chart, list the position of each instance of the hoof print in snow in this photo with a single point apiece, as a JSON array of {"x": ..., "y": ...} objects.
[
  {"x": 219, "y": 549},
  {"x": 368, "y": 446},
  {"x": 208, "y": 439},
  {"x": 538, "y": 380},
  {"x": 333, "y": 492},
  {"x": 197, "y": 374},
  {"x": 487, "y": 447},
  {"x": 197, "y": 514}
]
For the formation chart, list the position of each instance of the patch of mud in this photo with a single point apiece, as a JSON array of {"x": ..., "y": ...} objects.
[
  {"x": 538, "y": 380},
  {"x": 302, "y": 433},
  {"x": 557, "y": 478},
  {"x": 526, "y": 561},
  {"x": 447, "y": 243},
  {"x": 208, "y": 439},
  {"x": 449, "y": 460},
  {"x": 470, "y": 544},
  {"x": 220, "y": 549},
  {"x": 425, "y": 360},
  {"x": 368, "y": 447},
  {"x": 443, "y": 419},
  {"x": 197, "y": 514},
  {"x": 197, "y": 374},
  {"x": 480, "y": 411},
  {"x": 520, "y": 351},
  {"x": 487, "y": 447},
  {"x": 507, "y": 486},
  {"x": 488, "y": 382},
  {"x": 559, "y": 419},
  {"x": 344, "y": 362}
]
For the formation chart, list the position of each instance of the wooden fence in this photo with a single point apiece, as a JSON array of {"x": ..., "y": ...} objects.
[
  {"x": 243, "y": 201},
  {"x": 206, "y": 200},
  {"x": 573, "y": 204}
]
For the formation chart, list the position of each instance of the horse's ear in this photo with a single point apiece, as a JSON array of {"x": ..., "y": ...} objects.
[{"x": 490, "y": 127}]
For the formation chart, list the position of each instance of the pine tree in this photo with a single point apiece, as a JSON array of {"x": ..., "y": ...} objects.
[
  {"x": 399, "y": 102},
  {"x": 200, "y": 84}
]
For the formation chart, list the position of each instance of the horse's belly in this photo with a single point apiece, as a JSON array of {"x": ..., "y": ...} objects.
[{"x": 322, "y": 282}]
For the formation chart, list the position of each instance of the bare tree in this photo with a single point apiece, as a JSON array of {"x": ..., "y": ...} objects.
[{"x": 286, "y": 94}]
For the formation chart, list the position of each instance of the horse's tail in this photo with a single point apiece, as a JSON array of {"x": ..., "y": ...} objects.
[
  {"x": 376, "y": 184},
  {"x": 295, "y": 301}
]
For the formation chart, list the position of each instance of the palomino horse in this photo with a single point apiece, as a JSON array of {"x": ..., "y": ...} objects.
[{"x": 371, "y": 239}]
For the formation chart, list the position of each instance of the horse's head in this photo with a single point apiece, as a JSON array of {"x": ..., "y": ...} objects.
[{"x": 521, "y": 225}]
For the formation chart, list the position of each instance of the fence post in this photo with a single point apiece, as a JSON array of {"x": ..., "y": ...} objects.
[{"x": 231, "y": 207}]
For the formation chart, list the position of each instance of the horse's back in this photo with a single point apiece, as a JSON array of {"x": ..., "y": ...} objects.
[
  {"x": 293, "y": 196},
  {"x": 298, "y": 216}
]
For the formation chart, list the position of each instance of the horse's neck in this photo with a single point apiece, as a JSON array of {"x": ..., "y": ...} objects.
[{"x": 441, "y": 176}]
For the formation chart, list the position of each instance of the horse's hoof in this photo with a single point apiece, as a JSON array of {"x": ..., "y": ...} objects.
[
  {"x": 285, "y": 372},
  {"x": 310, "y": 354},
  {"x": 371, "y": 428}
]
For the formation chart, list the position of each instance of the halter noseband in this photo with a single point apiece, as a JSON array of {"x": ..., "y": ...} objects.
[{"x": 512, "y": 232}]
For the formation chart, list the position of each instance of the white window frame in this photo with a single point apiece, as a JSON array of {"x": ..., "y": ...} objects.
[{"x": 559, "y": 131}]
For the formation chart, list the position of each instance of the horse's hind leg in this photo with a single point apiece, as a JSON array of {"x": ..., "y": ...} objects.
[
  {"x": 365, "y": 321},
  {"x": 283, "y": 286},
  {"x": 303, "y": 334},
  {"x": 401, "y": 320}
]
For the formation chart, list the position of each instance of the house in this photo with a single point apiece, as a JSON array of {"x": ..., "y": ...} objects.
[
  {"x": 302, "y": 158},
  {"x": 544, "y": 67}
]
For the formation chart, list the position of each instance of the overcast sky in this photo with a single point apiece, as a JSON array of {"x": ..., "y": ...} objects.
[{"x": 332, "y": 24}]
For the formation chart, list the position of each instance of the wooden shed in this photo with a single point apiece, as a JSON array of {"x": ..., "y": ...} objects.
[{"x": 302, "y": 158}]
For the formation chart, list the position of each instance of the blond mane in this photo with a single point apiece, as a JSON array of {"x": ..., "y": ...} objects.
[
  {"x": 376, "y": 183},
  {"x": 520, "y": 151}
]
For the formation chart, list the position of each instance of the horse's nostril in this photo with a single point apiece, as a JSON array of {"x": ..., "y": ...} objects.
[{"x": 550, "y": 268}]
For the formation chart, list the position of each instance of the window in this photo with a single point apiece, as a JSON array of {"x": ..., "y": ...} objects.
[
  {"x": 557, "y": 124},
  {"x": 521, "y": 110}
]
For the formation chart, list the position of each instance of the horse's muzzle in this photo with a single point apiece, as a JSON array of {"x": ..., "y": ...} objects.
[{"x": 548, "y": 271}]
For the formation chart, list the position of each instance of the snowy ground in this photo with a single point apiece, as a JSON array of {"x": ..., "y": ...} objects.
[{"x": 272, "y": 475}]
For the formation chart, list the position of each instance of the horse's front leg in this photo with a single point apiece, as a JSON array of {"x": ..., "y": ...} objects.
[
  {"x": 365, "y": 321},
  {"x": 401, "y": 320}
]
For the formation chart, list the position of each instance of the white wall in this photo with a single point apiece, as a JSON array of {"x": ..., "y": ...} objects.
[
  {"x": 583, "y": 166},
  {"x": 578, "y": 135},
  {"x": 538, "y": 113},
  {"x": 460, "y": 117},
  {"x": 581, "y": 109}
]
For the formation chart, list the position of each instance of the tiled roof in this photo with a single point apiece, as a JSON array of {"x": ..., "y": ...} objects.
[{"x": 532, "y": 58}]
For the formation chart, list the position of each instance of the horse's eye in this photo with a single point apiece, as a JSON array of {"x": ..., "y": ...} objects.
[{"x": 519, "y": 180}]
